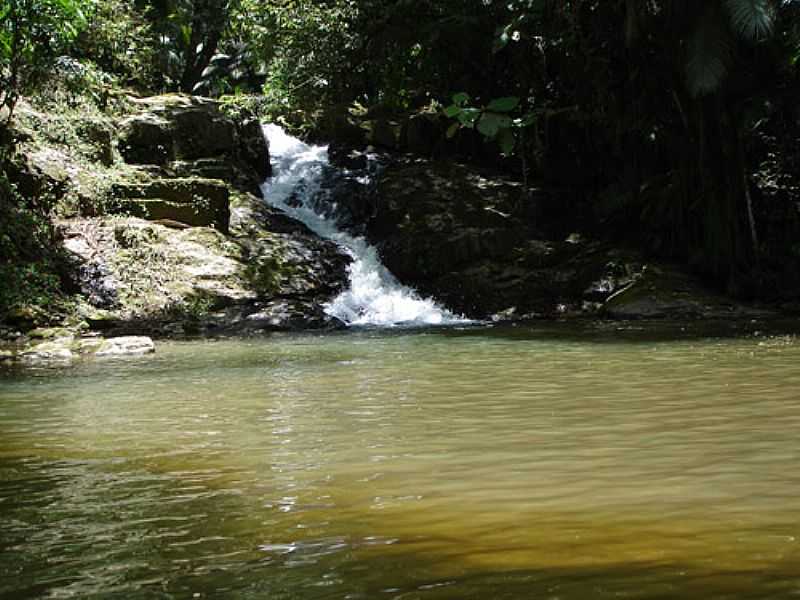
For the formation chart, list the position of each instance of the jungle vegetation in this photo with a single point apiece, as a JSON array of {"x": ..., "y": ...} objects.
[{"x": 670, "y": 124}]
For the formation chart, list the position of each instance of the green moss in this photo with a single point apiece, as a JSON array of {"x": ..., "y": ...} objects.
[{"x": 265, "y": 274}]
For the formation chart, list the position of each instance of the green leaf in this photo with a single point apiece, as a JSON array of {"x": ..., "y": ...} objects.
[
  {"x": 186, "y": 34},
  {"x": 468, "y": 116},
  {"x": 460, "y": 99},
  {"x": 710, "y": 54},
  {"x": 491, "y": 123},
  {"x": 452, "y": 130},
  {"x": 5, "y": 43},
  {"x": 452, "y": 111},
  {"x": 751, "y": 19},
  {"x": 506, "y": 141},
  {"x": 506, "y": 104}
]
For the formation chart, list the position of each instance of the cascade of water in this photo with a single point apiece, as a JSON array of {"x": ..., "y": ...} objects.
[{"x": 374, "y": 296}]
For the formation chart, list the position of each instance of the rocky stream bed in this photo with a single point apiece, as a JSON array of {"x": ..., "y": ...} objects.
[{"x": 167, "y": 236}]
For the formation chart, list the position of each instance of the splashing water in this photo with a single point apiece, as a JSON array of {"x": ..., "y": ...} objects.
[{"x": 374, "y": 296}]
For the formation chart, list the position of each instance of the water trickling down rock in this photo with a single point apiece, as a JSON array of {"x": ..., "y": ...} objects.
[{"x": 374, "y": 295}]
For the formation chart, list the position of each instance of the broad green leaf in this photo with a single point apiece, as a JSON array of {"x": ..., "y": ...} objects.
[
  {"x": 490, "y": 123},
  {"x": 452, "y": 111},
  {"x": 751, "y": 19},
  {"x": 460, "y": 99},
  {"x": 506, "y": 104},
  {"x": 710, "y": 54},
  {"x": 186, "y": 34},
  {"x": 468, "y": 116},
  {"x": 501, "y": 40},
  {"x": 5, "y": 43}
]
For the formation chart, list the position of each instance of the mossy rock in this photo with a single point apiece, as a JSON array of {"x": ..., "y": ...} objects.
[
  {"x": 146, "y": 139},
  {"x": 201, "y": 130},
  {"x": 666, "y": 292},
  {"x": 196, "y": 202},
  {"x": 100, "y": 138}
]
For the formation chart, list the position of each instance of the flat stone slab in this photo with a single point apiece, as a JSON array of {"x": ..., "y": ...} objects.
[
  {"x": 126, "y": 346},
  {"x": 193, "y": 201}
]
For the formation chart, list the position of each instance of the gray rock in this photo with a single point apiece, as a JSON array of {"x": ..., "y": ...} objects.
[
  {"x": 146, "y": 139},
  {"x": 125, "y": 346},
  {"x": 102, "y": 140},
  {"x": 254, "y": 147},
  {"x": 58, "y": 350}
]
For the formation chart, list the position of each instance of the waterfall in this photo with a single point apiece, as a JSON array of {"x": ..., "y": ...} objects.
[{"x": 374, "y": 296}]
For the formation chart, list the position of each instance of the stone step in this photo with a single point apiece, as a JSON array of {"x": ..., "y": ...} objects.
[{"x": 196, "y": 202}]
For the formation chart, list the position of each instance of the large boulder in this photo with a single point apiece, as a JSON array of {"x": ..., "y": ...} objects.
[
  {"x": 125, "y": 346},
  {"x": 69, "y": 346},
  {"x": 201, "y": 130},
  {"x": 146, "y": 139},
  {"x": 268, "y": 273},
  {"x": 175, "y": 126},
  {"x": 177, "y": 131},
  {"x": 665, "y": 291},
  {"x": 423, "y": 133}
]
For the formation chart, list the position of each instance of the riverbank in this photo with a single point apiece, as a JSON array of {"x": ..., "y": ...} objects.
[{"x": 157, "y": 227}]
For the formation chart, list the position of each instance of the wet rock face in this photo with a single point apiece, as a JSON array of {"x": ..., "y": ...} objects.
[
  {"x": 254, "y": 147},
  {"x": 177, "y": 239},
  {"x": 469, "y": 240},
  {"x": 484, "y": 248}
]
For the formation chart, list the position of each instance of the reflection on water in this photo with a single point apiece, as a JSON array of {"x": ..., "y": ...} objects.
[{"x": 480, "y": 463}]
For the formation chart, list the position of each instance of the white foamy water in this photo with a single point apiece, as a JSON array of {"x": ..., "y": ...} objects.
[{"x": 374, "y": 296}]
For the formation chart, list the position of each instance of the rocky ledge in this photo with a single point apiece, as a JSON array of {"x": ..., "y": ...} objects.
[
  {"x": 60, "y": 346},
  {"x": 485, "y": 247},
  {"x": 164, "y": 228}
]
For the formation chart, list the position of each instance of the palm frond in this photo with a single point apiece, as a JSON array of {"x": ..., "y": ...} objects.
[
  {"x": 751, "y": 19},
  {"x": 710, "y": 54}
]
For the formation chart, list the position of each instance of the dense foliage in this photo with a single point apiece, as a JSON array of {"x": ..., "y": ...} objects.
[{"x": 668, "y": 120}]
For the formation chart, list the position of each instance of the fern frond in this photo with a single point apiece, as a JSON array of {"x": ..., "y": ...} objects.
[
  {"x": 710, "y": 55},
  {"x": 751, "y": 19}
]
